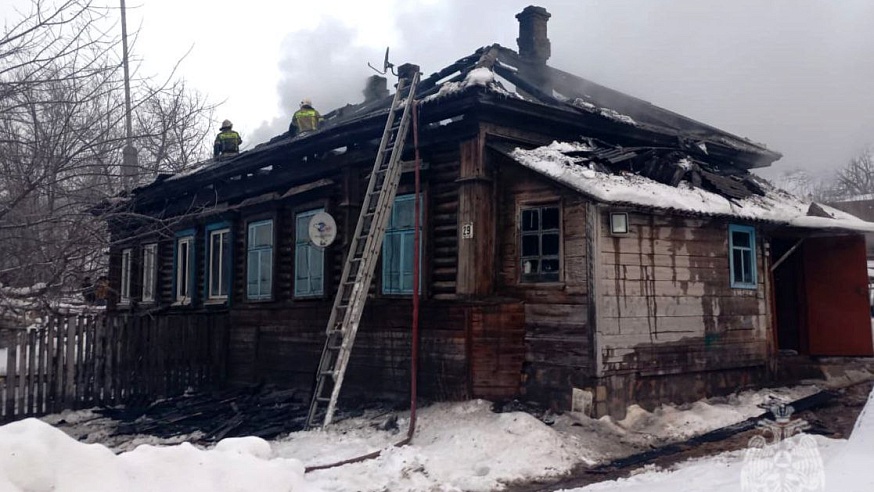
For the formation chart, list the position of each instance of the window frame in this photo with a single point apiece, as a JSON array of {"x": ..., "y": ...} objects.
[
  {"x": 410, "y": 232},
  {"x": 540, "y": 278},
  {"x": 184, "y": 237},
  {"x": 124, "y": 288},
  {"x": 226, "y": 261},
  {"x": 751, "y": 247},
  {"x": 150, "y": 272},
  {"x": 268, "y": 296},
  {"x": 308, "y": 246}
]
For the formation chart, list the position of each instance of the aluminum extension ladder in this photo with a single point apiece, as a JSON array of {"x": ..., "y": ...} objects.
[{"x": 364, "y": 249}]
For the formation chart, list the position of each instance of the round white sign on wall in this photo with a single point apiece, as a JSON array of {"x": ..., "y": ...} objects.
[{"x": 322, "y": 229}]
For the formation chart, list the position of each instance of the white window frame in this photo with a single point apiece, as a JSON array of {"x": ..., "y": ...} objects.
[
  {"x": 183, "y": 269},
  {"x": 222, "y": 268},
  {"x": 124, "y": 288},
  {"x": 150, "y": 262}
]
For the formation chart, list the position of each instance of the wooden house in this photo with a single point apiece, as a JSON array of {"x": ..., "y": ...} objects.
[{"x": 581, "y": 247}]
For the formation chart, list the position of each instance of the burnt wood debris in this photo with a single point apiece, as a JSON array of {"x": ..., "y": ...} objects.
[{"x": 581, "y": 248}]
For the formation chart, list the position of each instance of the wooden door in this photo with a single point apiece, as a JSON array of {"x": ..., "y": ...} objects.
[{"x": 838, "y": 310}]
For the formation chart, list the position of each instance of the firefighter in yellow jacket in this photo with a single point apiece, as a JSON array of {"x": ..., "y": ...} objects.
[
  {"x": 227, "y": 143},
  {"x": 305, "y": 119}
]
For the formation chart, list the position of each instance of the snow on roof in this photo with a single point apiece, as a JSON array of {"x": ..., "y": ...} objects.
[
  {"x": 481, "y": 77},
  {"x": 775, "y": 206}
]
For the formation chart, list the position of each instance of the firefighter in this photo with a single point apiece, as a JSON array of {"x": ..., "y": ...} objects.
[
  {"x": 306, "y": 119},
  {"x": 227, "y": 142}
]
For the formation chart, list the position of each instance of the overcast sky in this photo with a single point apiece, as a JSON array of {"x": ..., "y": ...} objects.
[{"x": 793, "y": 74}]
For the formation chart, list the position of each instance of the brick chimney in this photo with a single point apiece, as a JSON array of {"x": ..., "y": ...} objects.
[{"x": 533, "y": 42}]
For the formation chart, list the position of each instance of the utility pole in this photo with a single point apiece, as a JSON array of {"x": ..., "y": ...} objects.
[{"x": 129, "y": 162}]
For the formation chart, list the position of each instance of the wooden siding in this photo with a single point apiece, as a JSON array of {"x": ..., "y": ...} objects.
[
  {"x": 467, "y": 350},
  {"x": 558, "y": 349},
  {"x": 667, "y": 305}
]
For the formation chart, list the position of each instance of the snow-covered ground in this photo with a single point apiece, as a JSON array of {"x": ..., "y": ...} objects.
[
  {"x": 457, "y": 446},
  {"x": 833, "y": 465}
]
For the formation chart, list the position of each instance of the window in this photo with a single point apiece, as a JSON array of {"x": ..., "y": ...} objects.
[
  {"x": 125, "y": 276},
  {"x": 184, "y": 260},
  {"x": 540, "y": 240},
  {"x": 309, "y": 260},
  {"x": 219, "y": 257},
  {"x": 260, "y": 260},
  {"x": 742, "y": 256},
  {"x": 397, "y": 248},
  {"x": 150, "y": 257}
]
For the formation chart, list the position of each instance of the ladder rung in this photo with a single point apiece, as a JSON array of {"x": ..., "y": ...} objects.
[{"x": 350, "y": 302}]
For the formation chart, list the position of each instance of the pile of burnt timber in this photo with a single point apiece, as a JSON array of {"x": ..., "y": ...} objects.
[{"x": 255, "y": 411}]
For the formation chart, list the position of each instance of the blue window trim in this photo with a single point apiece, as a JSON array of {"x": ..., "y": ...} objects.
[
  {"x": 298, "y": 242},
  {"x": 228, "y": 269},
  {"x": 191, "y": 261},
  {"x": 392, "y": 232},
  {"x": 269, "y": 295},
  {"x": 752, "y": 247}
]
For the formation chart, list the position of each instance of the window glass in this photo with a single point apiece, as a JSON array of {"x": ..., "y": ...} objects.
[
  {"x": 125, "y": 275},
  {"x": 531, "y": 245},
  {"x": 740, "y": 239},
  {"x": 540, "y": 244},
  {"x": 150, "y": 253},
  {"x": 219, "y": 263},
  {"x": 549, "y": 218},
  {"x": 549, "y": 244},
  {"x": 742, "y": 257},
  {"x": 259, "y": 260},
  {"x": 308, "y": 259},
  {"x": 531, "y": 219},
  {"x": 397, "y": 249},
  {"x": 184, "y": 272}
]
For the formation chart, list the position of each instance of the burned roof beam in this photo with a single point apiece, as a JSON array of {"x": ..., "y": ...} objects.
[{"x": 515, "y": 79}]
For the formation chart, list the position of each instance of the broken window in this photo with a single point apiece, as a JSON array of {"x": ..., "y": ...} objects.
[
  {"x": 309, "y": 260},
  {"x": 219, "y": 237},
  {"x": 150, "y": 256},
  {"x": 540, "y": 244},
  {"x": 397, "y": 248},
  {"x": 259, "y": 285},
  {"x": 183, "y": 260},
  {"x": 125, "y": 276},
  {"x": 742, "y": 256}
]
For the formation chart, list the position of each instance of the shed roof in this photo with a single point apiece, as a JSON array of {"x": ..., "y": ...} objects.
[{"x": 675, "y": 182}]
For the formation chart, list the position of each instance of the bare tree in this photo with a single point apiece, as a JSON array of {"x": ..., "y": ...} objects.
[
  {"x": 857, "y": 177},
  {"x": 62, "y": 132}
]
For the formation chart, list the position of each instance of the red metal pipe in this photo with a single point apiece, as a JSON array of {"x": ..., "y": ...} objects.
[{"x": 414, "y": 356}]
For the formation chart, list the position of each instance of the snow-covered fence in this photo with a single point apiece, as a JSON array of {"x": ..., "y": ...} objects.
[{"x": 81, "y": 361}]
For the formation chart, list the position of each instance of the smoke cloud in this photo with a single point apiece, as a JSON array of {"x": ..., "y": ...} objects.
[{"x": 792, "y": 74}]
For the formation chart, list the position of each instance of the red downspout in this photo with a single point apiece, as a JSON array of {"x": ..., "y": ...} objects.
[
  {"x": 414, "y": 356},
  {"x": 417, "y": 238}
]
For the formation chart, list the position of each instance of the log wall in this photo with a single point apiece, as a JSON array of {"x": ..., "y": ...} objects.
[
  {"x": 558, "y": 349},
  {"x": 467, "y": 350}
]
